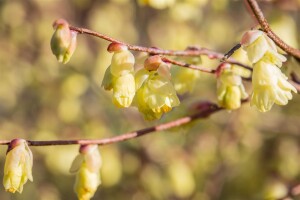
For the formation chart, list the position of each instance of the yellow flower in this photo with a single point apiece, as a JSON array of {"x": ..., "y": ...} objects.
[
  {"x": 18, "y": 166},
  {"x": 119, "y": 76},
  {"x": 155, "y": 94},
  {"x": 230, "y": 90},
  {"x": 87, "y": 168},
  {"x": 63, "y": 42},
  {"x": 270, "y": 86}
]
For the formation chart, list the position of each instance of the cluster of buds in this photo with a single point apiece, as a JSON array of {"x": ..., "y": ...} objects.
[
  {"x": 63, "y": 41},
  {"x": 270, "y": 85},
  {"x": 155, "y": 93},
  {"x": 230, "y": 88},
  {"x": 18, "y": 166},
  {"x": 87, "y": 166},
  {"x": 119, "y": 75}
]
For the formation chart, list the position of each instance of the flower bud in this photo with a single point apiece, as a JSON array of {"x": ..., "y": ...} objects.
[
  {"x": 18, "y": 166},
  {"x": 87, "y": 168},
  {"x": 63, "y": 42}
]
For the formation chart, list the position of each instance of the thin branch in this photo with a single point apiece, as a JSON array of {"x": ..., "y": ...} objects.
[
  {"x": 151, "y": 50},
  {"x": 186, "y": 65},
  {"x": 191, "y": 52},
  {"x": 206, "y": 110},
  {"x": 201, "y": 68},
  {"x": 266, "y": 27}
]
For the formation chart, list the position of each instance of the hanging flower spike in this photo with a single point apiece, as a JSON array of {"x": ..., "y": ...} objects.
[
  {"x": 155, "y": 94},
  {"x": 63, "y": 42},
  {"x": 87, "y": 168},
  {"x": 230, "y": 89},
  {"x": 270, "y": 85},
  {"x": 18, "y": 166},
  {"x": 119, "y": 75}
]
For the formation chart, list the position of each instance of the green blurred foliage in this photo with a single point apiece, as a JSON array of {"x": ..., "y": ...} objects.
[{"x": 232, "y": 155}]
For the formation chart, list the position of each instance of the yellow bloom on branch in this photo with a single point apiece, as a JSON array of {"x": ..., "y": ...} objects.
[
  {"x": 87, "y": 168},
  {"x": 18, "y": 166},
  {"x": 119, "y": 76},
  {"x": 155, "y": 94},
  {"x": 230, "y": 90},
  {"x": 270, "y": 85}
]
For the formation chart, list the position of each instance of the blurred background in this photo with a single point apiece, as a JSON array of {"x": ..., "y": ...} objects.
[{"x": 230, "y": 156}]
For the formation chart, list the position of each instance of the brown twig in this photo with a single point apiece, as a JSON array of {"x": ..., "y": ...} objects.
[
  {"x": 190, "y": 66},
  {"x": 189, "y": 52},
  {"x": 206, "y": 110},
  {"x": 151, "y": 50},
  {"x": 266, "y": 28},
  {"x": 201, "y": 68}
]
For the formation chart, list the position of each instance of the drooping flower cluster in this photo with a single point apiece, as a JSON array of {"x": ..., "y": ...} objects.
[
  {"x": 63, "y": 41},
  {"x": 18, "y": 166},
  {"x": 230, "y": 89},
  {"x": 155, "y": 93},
  {"x": 119, "y": 76},
  {"x": 87, "y": 168},
  {"x": 150, "y": 89},
  {"x": 270, "y": 85}
]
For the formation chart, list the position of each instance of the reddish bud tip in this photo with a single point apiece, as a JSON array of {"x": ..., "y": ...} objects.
[
  {"x": 86, "y": 148},
  {"x": 114, "y": 47},
  {"x": 152, "y": 63},
  {"x": 60, "y": 22},
  {"x": 16, "y": 142}
]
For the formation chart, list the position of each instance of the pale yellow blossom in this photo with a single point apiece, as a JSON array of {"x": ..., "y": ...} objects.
[
  {"x": 18, "y": 166},
  {"x": 87, "y": 168}
]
